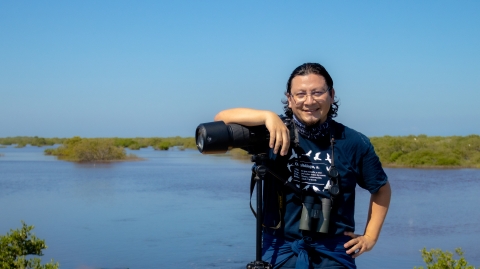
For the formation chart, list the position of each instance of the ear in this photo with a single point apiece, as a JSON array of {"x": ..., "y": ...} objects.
[
  {"x": 289, "y": 100},
  {"x": 332, "y": 96}
]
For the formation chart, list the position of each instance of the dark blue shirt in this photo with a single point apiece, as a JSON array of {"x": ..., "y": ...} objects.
[{"x": 307, "y": 167}]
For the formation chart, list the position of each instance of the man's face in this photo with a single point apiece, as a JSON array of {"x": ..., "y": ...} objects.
[{"x": 309, "y": 99}]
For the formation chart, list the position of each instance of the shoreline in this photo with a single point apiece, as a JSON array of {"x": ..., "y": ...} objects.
[{"x": 427, "y": 167}]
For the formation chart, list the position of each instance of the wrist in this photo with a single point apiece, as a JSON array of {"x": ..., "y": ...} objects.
[{"x": 371, "y": 237}]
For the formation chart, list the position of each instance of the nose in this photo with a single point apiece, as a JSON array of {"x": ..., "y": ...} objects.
[{"x": 309, "y": 100}]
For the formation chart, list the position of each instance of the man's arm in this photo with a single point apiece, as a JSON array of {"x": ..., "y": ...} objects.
[
  {"x": 379, "y": 203},
  {"x": 279, "y": 133}
]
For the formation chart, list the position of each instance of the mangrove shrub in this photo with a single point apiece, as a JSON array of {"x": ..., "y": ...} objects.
[
  {"x": 89, "y": 150},
  {"x": 19, "y": 244},
  {"x": 438, "y": 259}
]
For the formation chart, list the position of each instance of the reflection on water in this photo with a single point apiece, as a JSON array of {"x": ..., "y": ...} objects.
[{"x": 183, "y": 209}]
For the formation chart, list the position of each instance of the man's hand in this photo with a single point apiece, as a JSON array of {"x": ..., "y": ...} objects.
[
  {"x": 359, "y": 244},
  {"x": 379, "y": 203},
  {"x": 279, "y": 133}
]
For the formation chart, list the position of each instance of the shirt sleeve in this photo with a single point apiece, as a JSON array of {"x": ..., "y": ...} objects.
[{"x": 371, "y": 172}]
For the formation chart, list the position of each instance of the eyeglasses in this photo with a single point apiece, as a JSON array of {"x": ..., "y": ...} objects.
[{"x": 301, "y": 97}]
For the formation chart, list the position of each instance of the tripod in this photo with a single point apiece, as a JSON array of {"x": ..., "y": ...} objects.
[{"x": 259, "y": 170}]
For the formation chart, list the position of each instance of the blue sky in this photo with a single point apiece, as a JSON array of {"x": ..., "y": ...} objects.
[{"x": 159, "y": 68}]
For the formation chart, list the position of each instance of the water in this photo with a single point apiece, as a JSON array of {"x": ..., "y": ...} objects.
[{"x": 186, "y": 210}]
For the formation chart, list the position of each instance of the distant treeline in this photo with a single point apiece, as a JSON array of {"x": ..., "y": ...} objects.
[
  {"x": 394, "y": 151},
  {"x": 22, "y": 141},
  {"x": 428, "y": 151},
  {"x": 157, "y": 143},
  {"x": 99, "y": 149},
  {"x": 419, "y": 151}
]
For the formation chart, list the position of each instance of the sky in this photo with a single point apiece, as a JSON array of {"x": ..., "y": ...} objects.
[{"x": 160, "y": 68}]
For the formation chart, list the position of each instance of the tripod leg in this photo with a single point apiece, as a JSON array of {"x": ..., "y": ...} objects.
[{"x": 260, "y": 171}]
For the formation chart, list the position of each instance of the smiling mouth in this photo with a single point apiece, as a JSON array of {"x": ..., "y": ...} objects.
[{"x": 311, "y": 110}]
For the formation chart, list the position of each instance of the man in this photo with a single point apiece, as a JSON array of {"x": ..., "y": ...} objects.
[{"x": 323, "y": 146}]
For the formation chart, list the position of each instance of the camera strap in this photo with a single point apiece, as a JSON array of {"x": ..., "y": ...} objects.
[
  {"x": 252, "y": 186},
  {"x": 293, "y": 130},
  {"x": 285, "y": 182},
  {"x": 333, "y": 172}
]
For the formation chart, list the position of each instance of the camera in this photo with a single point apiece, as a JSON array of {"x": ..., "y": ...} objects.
[{"x": 217, "y": 137}]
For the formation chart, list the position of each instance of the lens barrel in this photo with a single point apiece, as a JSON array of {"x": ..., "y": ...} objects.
[{"x": 217, "y": 137}]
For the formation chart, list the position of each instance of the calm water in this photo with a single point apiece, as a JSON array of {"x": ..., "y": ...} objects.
[{"x": 186, "y": 210}]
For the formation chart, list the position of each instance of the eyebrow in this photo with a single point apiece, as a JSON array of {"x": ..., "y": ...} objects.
[{"x": 302, "y": 90}]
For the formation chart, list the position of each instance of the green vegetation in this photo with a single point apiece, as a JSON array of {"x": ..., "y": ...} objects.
[
  {"x": 437, "y": 259},
  {"x": 238, "y": 154},
  {"x": 424, "y": 151},
  {"x": 418, "y": 151},
  {"x": 22, "y": 141},
  {"x": 112, "y": 149},
  {"x": 394, "y": 151},
  {"x": 127, "y": 143},
  {"x": 131, "y": 143},
  {"x": 17, "y": 245},
  {"x": 89, "y": 150},
  {"x": 156, "y": 142}
]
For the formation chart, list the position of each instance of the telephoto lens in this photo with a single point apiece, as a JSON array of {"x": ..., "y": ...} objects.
[{"x": 217, "y": 137}]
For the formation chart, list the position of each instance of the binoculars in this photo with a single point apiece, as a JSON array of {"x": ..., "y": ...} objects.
[{"x": 315, "y": 214}]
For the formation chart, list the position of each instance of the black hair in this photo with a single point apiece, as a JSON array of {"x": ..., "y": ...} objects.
[{"x": 306, "y": 69}]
